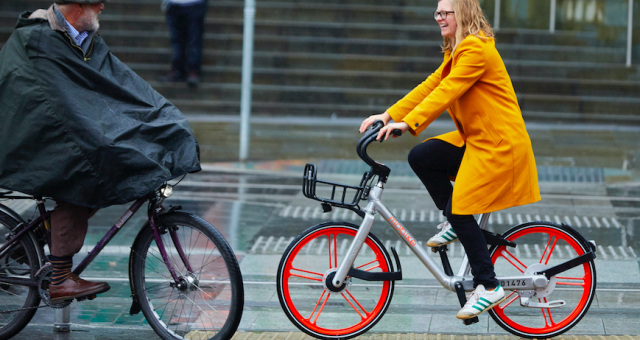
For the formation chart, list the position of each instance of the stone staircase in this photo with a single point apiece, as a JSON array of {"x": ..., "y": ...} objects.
[{"x": 352, "y": 58}]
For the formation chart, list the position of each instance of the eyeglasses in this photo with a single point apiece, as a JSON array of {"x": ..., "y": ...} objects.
[{"x": 442, "y": 14}]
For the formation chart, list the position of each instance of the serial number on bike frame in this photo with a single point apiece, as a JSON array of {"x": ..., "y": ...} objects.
[{"x": 513, "y": 283}]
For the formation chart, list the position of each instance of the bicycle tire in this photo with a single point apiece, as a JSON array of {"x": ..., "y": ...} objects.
[
  {"x": 334, "y": 319},
  {"x": 23, "y": 251},
  {"x": 522, "y": 321},
  {"x": 206, "y": 247}
]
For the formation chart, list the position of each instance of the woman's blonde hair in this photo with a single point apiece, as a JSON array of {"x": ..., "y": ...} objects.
[{"x": 470, "y": 20}]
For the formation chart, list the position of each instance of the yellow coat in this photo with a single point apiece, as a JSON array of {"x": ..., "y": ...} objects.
[{"x": 498, "y": 169}]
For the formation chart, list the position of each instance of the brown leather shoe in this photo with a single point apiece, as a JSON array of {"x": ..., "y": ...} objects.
[{"x": 74, "y": 287}]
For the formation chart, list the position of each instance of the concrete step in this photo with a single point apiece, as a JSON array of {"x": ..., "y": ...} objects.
[
  {"x": 543, "y": 106},
  {"x": 392, "y": 80}
]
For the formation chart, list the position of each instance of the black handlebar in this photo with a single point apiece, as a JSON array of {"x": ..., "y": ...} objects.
[{"x": 369, "y": 137}]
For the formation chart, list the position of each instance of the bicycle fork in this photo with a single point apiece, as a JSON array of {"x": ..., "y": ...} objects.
[
  {"x": 346, "y": 266},
  {"x": 155, "y": 223}
]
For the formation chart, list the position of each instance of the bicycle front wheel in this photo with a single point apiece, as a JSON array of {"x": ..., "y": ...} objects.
[
  {"x": 314, "y": 305},
  {"x": 542, "y": 245},
  {"x": 20, "y": 261},
  {"x": 209, "y": 300}
]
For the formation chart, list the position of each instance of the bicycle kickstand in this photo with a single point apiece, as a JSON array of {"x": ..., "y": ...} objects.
[
  {"x": 463, "y": 299},
  {"x": 459, "y": 290}
]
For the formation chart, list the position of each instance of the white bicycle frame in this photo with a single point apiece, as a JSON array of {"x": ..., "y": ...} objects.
[{"x": 375, "y": 206}]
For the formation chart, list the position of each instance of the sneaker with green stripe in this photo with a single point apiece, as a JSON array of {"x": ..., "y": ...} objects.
[
  {"x": 480, "y": 301},
  {"x": 445, "y": 236}
]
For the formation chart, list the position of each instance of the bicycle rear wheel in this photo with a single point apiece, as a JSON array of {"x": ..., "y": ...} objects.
[
  {"x": 20, "y": 261},
  {"x": 305, "y": 272},
  {"x": 209, "y": 302},
  {"x": 544, "y": 244}
]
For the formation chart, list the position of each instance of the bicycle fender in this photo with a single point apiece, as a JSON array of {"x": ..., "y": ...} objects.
[
  {"x": 135, "y": 305},
  {"x": 39, "y": 247},
  {"x": 11, "y": 213}
]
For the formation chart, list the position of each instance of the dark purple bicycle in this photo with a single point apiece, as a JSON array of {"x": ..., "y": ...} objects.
[{"x": 183, "y": 274}]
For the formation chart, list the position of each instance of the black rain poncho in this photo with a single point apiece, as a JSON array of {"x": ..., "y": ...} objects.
[{"x": 83, "y": 128}]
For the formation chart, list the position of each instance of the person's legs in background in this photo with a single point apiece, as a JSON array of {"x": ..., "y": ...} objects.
[
  {"x": 178, "y": 30},
  {"x": 195, "y": 32}
]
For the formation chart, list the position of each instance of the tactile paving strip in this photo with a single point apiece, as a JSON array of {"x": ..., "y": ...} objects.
[{"x": 417, "y": 336}]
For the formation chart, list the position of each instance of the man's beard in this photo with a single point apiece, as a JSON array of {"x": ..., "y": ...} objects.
[{"x": 89, "y": 21}]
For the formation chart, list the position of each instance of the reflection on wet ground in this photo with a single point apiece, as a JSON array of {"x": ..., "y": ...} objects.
[{"x": 259, "y": 208}]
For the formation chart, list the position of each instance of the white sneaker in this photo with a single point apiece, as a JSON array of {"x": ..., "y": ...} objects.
[
  {"x": 445, "y": 236},
  {"x": 480, "y": 301}
]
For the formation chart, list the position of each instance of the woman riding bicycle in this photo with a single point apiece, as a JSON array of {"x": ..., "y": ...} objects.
[{"x": 490, "y": 154}]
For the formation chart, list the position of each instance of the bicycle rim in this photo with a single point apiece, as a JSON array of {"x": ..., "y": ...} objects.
[
  {"x": 548, "y": 244},
  {"x": 315, "y": 309},
  {"x": 211, "y": 305},
  {"x": 20, "y": 261}
]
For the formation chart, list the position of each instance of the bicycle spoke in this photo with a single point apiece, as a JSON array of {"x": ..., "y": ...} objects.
[
  {"x": 550, "y": 247},
  {"x": 510, "y": 301},
  {"x": 306, "y": 277},
  {"x": 321, "y": 308},
  {"x": 549, "y": 312},
  {"x": 318, "y": 303},
  {"x": 519, "y": 266},
  {"x": 356, "y": 301},
  {"x": 333, "y": 257},
  {"x": 366, "y": 264}
]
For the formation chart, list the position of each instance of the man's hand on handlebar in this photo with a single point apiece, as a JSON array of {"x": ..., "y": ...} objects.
[
  {"x": 385, "y": 117},
  {"x": 389, "y": 128}
]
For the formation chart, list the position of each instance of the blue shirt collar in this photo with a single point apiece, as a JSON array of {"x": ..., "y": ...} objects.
[{"x": 78, "y": 37}]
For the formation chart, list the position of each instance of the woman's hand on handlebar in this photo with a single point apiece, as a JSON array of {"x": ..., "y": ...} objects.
[
  {"x": 388, "y": 129},
  {"x": 385, "y": 117}
]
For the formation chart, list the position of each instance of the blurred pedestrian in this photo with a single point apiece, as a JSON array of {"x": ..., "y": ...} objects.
[
  {"x": 489, "y": 155},
  {"x": 185, "y": 19}
]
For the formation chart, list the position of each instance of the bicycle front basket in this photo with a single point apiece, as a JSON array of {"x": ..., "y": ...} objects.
[{"x": 339, "y": 193}]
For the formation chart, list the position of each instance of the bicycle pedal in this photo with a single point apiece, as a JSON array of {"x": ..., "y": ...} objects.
[{"x": 471, "y": 321}]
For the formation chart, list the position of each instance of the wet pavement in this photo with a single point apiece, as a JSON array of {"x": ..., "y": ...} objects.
[{"x": 591, "y": 181}]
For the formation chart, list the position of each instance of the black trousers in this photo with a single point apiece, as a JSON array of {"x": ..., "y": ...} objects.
[
  {"x": 186, "y": 25},
  {"x": 434, "y": 161}
]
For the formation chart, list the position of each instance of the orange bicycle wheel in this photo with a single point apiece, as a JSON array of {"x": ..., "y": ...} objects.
[
  {"x": 308, "y": 298},
  {"x": 542, "y": 245}
]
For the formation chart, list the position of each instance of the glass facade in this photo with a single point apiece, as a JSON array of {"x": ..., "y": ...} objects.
[{"x": 605, "y": 22}]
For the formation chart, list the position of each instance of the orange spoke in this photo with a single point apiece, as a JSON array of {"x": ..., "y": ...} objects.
[
  {"x": 372, "y": 268},
  {"x": 356, "y": 301},
  {"x": 306, "y": 271},
  {"x": 307, "y": 277},
  {"x": 366, "y": 264},
  {"x": 549, "y": 312},
  {"x": 515, "y": 258},
  {"x": 544, "y": 315},
  {"x": 317, "y": 303},
  {"x": 510, "y": 301},
  {"x": 570, "y": 283},
  {"x": 330, "y": 256},
  {"x": 352, "y": 306},
  {"x": 555, "y": 241},
  {"x": 321, "y": 308},
  {"x": 335, "y": 251},
  {"x": 546, "y": 248}
]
